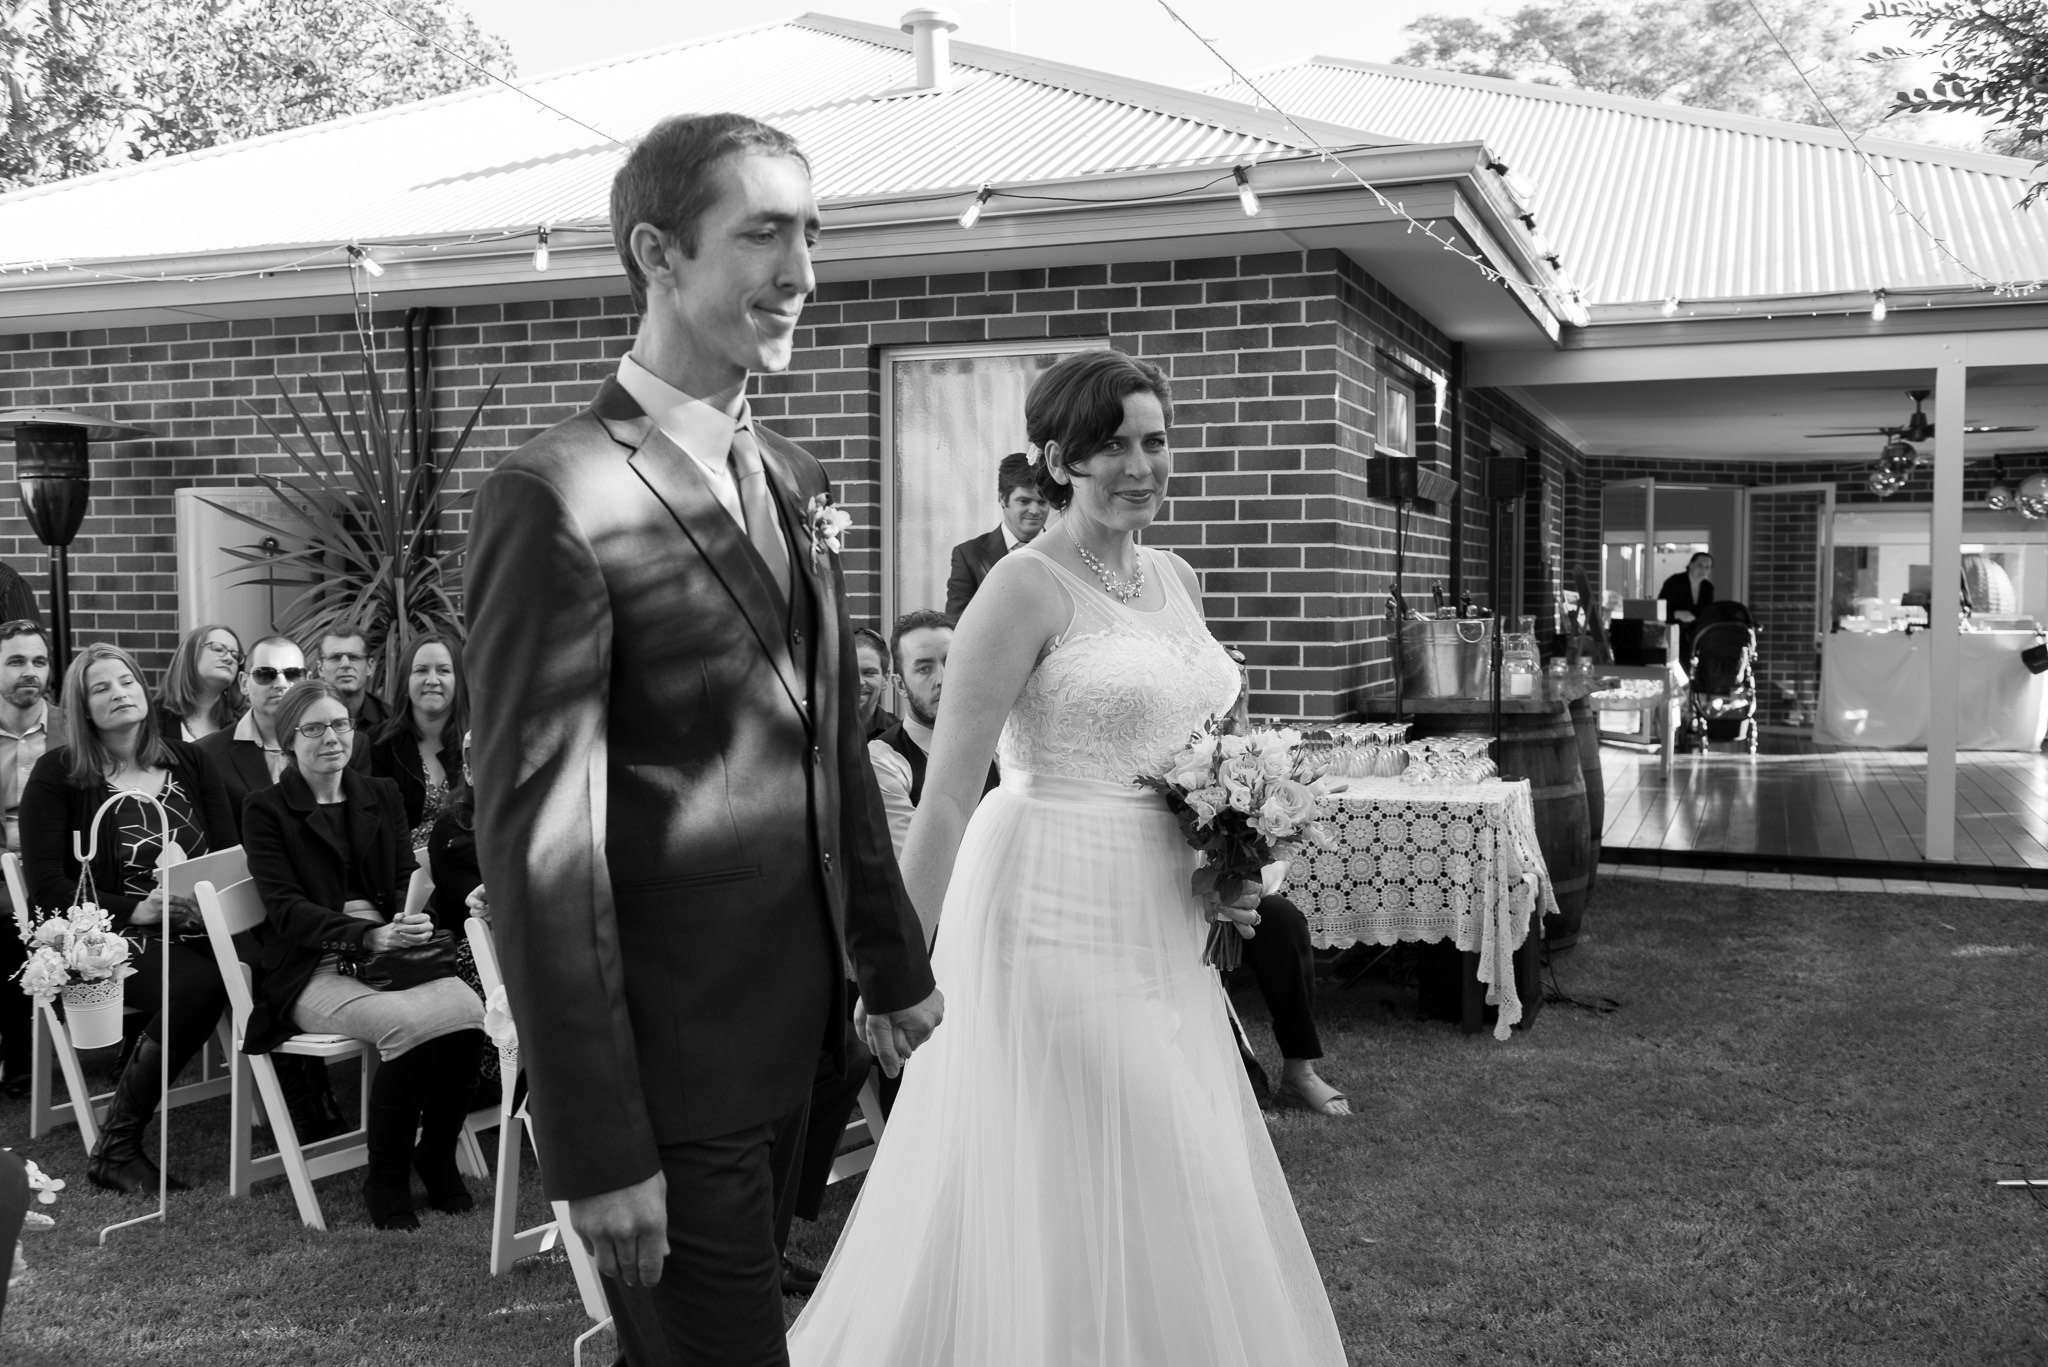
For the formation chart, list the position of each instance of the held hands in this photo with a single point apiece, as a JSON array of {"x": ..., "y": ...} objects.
[
  {"x": 407, "y": 929},
  {"x": 1242, "y": 911},
  {"x": 626, "y": 1231},
  {"x": 478, "y": 904},
  {"x": 895, "y": 1035}
]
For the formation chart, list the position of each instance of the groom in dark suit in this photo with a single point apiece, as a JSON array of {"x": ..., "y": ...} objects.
[
  {"x": 1023, "y": 509},
  {"x": 681, "y": 838}
]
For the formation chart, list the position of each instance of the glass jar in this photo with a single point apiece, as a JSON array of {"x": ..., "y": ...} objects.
[{"x": 1519, "y": 665}]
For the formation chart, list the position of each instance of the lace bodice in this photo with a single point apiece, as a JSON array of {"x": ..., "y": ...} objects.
[{"x": 1120, "y": 691}]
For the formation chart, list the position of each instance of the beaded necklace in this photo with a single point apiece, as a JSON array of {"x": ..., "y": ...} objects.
[{"x": 1117, "y": 587}]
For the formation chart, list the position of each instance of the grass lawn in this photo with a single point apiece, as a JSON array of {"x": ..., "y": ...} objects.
[{"x": 1780, "y": 1150}]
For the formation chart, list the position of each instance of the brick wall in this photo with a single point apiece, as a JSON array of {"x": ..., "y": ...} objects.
[{"x": 1274, "y": 359}]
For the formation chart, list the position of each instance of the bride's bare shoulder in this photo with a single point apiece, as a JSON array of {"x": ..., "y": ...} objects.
[
  {"x": 1188, "y": 579},
  {"x": 1021, "y": 590}
]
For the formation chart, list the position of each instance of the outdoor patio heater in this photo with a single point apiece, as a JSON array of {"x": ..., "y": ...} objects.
[{"x": 56, "y": 484}]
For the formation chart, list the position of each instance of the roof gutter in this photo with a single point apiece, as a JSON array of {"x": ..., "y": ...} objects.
[{"x": 1124, "y": 213}]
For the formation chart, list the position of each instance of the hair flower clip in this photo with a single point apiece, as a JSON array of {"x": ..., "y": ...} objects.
[
  {"x": 1034, "y": 454},
  {"x": 827, "y": 523}
]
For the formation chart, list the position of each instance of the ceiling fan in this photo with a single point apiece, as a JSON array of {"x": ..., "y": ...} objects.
[{"x": 1918, "y": 427}]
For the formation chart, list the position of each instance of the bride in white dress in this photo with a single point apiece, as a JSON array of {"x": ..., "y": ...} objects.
[{"x": 1075, "y": 1171}]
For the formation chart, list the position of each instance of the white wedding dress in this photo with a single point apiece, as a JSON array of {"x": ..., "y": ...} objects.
[{"x": 1075, "y": 1171}]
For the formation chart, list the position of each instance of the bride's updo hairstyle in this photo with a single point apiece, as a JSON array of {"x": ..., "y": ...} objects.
[{"x": 1079, "y": 403}]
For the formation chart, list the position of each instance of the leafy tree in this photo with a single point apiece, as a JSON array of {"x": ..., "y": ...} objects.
[
  {"x": 1713, "y": 54},
  {"x": 1992, "y": 57},
  {"x": 89, "y": 84}
]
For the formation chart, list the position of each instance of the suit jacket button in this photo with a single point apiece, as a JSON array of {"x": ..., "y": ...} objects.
[
  {"x": 828, "y": 861},
  {"x": 797, "y": 637},
  {"x": 817, "y": 755}
]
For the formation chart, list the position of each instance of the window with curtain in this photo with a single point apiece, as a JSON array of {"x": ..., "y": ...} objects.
[{"x": 950, "y": 415}]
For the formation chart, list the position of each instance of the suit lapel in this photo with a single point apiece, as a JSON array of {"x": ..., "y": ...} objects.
[
  {"x": 815, "y": 569},
  {"x": 674, "y": 479},
  {"x": 249, "y": 762}
]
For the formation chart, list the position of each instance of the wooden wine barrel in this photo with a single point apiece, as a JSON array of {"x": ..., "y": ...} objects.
[
  {"x": 1586, "y": 722},
  {"x": 1543, "y": 747}
]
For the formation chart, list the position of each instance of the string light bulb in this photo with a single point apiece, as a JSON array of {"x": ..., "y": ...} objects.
[
  {"x": 540, "y": 253},
  {"x": 1877, "y": 309},
  {"x": 971, "y": 215},
  {"x": 1670, "y": 309},
  {"x": 360, "y": 256},
  {"x": 1246, "y": 199}
]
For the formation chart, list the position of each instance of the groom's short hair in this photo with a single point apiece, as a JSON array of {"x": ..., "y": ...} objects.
[{"x": 667, "y": 181}]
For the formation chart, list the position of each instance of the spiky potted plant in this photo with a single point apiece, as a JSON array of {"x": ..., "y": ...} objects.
[{"x": 370, "y": 511}]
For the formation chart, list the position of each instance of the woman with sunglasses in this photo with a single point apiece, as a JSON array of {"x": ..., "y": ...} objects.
[
  {"x": 116, "y": 746},
  {"x": 419, "y": 748},
  {"x": 201, "y": 691},
  {"x": 328, "y": 849}
]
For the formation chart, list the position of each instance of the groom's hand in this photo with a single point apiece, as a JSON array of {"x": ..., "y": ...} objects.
[
  {"x": 895, "y": 1035},
  {"x": 626, "y": 1231}
]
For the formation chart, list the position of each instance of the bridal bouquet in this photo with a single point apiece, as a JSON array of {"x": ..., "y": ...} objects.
[
  {"x": 70, "y": 948},
  {"x": 1240, "y": 807}
]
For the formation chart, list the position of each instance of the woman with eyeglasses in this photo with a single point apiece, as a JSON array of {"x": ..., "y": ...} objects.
[
  {"x": 419, "y": 747},
  {"x": 116, "y": 747},
  {"x": 201, "y": 691},
  {"x": 328, "y": 849}
]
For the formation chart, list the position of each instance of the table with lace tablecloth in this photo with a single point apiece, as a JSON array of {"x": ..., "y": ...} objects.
[{"x": 1455, "y": 862}]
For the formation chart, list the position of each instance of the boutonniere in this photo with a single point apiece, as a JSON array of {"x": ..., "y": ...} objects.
[{"x": 828, "y": 523}]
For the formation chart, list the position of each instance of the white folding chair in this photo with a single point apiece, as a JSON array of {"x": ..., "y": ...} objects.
[
  {"x": 52, "y": 1055},
  {"x": 508, "y": 1242},
  {"x": 229, "y": 910},
  {"x": 863, "y": 1134}
]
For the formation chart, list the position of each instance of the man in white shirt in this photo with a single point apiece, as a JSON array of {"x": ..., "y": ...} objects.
[
  {"x": 899, "y": 754},
  {"x": 29, "y": 724}
]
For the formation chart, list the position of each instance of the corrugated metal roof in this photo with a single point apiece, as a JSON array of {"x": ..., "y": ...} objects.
[
  {"x": 1646, "y": 201},
  {"x": 493, "y": 159}
]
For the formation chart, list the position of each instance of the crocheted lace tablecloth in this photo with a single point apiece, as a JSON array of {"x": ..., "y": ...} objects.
[{"x": 1438, "y": 861}]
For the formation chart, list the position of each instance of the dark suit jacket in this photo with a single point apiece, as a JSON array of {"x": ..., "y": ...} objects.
[
  {"x": 243, "y": 769},
  {"x": 305, "y": 882},
  {"x": 681, "y": 837},
  {"x": 52, "y": 808},
  {"x": 972, "y": 560}
]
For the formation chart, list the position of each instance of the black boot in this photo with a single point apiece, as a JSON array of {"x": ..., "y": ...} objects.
[
  {"x": 304, "y": 1083},
  {"x": 118, "y": 1162},
  {"x": 387, "y": 1190},
  {"x": 446, "y": 1107}
]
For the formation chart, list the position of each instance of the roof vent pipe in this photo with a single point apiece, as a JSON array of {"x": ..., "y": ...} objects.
[{"x": 928, "y": 30}]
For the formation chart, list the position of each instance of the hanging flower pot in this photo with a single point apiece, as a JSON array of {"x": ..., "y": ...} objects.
[{"x": 92, "y": 1013}]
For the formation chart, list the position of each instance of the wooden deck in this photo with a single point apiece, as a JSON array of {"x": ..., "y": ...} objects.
[{"x": 1866, "y": 806}]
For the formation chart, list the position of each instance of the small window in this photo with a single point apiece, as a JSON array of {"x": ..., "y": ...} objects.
[{"x": 1397, "y": 415}]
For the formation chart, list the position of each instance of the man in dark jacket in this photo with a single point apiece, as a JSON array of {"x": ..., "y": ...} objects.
[{"x": 1023, "y": 508}]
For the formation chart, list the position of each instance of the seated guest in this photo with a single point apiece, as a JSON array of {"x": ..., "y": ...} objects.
[
  {"x": 250, "y": 755},
  {"x": 115, "y": 745},
  {"x": 342, "y": 658},
  {"x": 1282, "y": 961},
  {"x": 29, "y": 725},
  {"x": 458, "y": 888},
  {"x": 329, "y": 851},
  {"x": 1023, "y": 510},
  {"x": 920, "y": 643},
  {"x": 202, "y": 688},
  {"x": 871, "y": 654},
  {"x": 419, "y": 748}
]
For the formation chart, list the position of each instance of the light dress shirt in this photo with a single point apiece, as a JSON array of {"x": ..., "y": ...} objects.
[
  {"x": 704, "y": 433},
  {"x": 893, "y": 777},
  {"x": 273, "y": 753},
  {"x": 18, "y": 754}
]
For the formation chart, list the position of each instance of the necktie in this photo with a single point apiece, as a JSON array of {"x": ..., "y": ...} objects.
[{"x": 759, "y": 506}]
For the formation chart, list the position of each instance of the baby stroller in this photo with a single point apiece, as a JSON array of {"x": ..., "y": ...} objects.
[{"x": 1721, "y": 694}]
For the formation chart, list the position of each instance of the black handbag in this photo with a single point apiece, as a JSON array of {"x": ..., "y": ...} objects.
[
  {"x": 2035, "y": 658},
  {"x": 394, "y": 970}
]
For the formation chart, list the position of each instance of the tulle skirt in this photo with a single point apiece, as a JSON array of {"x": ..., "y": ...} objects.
[{"x": 1075, "y": 1171}]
